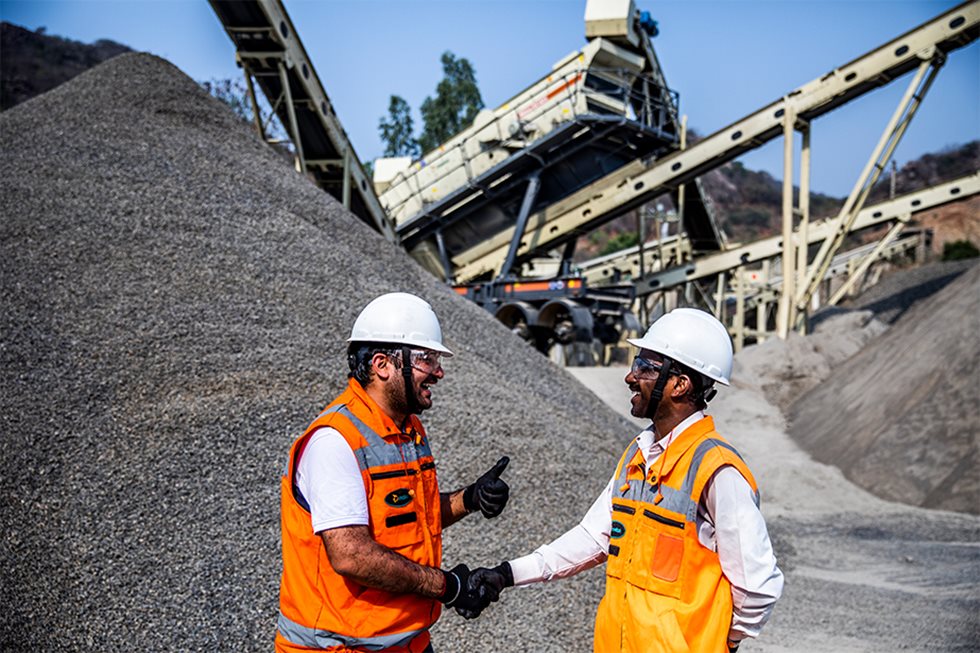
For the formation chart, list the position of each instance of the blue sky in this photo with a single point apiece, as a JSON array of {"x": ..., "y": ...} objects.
[{"x": 725, "y": 58}]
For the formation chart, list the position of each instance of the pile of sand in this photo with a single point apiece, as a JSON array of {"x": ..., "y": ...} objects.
[
  {"x": 900, "y": 418},
  {"x": 862, "y": 573}
]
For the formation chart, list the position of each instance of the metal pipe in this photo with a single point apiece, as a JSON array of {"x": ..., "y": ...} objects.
[{"x": 345, "y": 187}]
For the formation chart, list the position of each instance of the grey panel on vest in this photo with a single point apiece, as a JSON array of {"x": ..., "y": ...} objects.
[{"x": 323, "y": 639}]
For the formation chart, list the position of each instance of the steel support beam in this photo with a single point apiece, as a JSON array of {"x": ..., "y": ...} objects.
[
  {"x": 293, "y": 125},
  {"x": 911, "y": 100},
  {"x": 866, "y": 262},
  {"x": 786, "y": 315},
  {"x": 530, "y": 194}
]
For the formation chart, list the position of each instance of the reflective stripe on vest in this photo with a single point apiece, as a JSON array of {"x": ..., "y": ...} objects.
[
  {"x": 379, "y": 452},
  {"x": 674, "y": 499},
  {"x": 314, "y": 638}
]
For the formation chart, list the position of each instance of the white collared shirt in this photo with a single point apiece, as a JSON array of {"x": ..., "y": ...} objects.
[{"x": 728, "y": 522}]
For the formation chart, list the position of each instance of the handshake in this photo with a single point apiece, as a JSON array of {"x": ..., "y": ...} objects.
[{"x": 470, "y": 592}]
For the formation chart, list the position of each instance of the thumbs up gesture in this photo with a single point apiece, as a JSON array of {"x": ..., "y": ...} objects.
[{"x": 490, "y": 492}]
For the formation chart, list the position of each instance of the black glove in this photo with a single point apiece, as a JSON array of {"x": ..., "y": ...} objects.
[
  {"x": 491, "y": 582},
  {"x": 489, "y": 493},
  {"x": 457, "y": 594}
]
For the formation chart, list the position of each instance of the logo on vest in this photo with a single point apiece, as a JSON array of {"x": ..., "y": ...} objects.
[
  {"x": 617, "y": 530},
  {"x": 398, "y": 498}
]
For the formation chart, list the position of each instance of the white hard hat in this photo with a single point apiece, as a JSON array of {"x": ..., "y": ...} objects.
[
  {"x": 694, "y": 338},
  {"x": 402, "y": 319}
]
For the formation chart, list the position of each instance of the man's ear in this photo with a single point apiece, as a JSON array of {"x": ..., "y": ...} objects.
[
  {"x": 382, "y": 366},
  {"x": 682, "y": 385}
]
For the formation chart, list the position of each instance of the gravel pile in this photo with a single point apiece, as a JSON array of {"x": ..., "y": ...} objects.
[
  {"x": 899, "y": 290},
  {"x": 175, "y": 300},
  {"x": 900, "y": 418}
]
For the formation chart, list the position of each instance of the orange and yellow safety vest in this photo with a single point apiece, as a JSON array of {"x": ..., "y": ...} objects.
[
  {"x": 320, "y": 609},
  {"x": 665, "y": 591}
]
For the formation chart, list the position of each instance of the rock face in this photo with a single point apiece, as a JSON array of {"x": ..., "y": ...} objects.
[
  {"x": 175, "y": 302},
  {"x": 900, "y": 417}
]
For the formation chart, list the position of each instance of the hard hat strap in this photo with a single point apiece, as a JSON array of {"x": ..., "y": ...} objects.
[
  {"x": 658, "y": 390},
  {"x": 410, "y": 398}
]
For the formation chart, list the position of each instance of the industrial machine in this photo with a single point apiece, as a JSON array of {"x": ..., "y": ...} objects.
[
  {"x": 496, "y": 210},
  {"x": 462, "y": 209}
]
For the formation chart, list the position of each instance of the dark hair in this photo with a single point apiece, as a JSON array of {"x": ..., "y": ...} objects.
[
  {"x": 703, "y": 389},
  {"x": 359, "y": 355}
]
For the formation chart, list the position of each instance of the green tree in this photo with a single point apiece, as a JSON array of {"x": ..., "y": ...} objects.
[
  {"x": 620, "y": 242},
  {"x": 959, "y": 249},
  {"x": 396, "y": 130},
  {"x": 455, "y": 105}
]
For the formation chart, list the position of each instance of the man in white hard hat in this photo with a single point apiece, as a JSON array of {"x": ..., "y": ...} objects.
[
  {"x": 362, "y": 514},
  {"x": 689, "y": 563}
]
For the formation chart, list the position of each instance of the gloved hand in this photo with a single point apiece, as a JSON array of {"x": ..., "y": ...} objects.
[
  {"x": 489, "y": 493},
  {"x": 491, "y": 582},
  {"x": 468, "y": 604}
]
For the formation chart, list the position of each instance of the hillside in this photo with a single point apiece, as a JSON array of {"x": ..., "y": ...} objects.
[{"x": 32, "y": 63}]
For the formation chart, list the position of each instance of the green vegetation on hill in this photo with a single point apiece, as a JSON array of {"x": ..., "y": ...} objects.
[{"x": 32, "y": 63}]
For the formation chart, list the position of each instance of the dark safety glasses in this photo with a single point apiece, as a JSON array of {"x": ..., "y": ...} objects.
[{"x": 645, "y": 367}]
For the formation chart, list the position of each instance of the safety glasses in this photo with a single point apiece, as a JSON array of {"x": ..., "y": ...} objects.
[
  {"x": 425, "y": 361},
  {"x": 646, "y": 367}
]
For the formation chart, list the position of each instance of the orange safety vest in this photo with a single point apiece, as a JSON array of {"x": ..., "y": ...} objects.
[
  {"x": 320, "y": 609},
  {"x": 665, "y": 592}
]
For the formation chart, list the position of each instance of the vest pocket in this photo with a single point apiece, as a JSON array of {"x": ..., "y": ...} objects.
[
  {"x": 668, "y": 553},
  {"x": 394, "y": 507},
  {"x": 403, "y": 518},
  {"x": 657, "y": 562}
]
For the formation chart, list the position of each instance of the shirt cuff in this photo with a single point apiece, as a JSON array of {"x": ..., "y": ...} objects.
[
  {"x": 337, "y": 522},
  {"x": 526, "y": 569}
]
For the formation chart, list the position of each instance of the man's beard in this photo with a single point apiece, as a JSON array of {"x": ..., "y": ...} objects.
[{"x": 395, "y": 394}]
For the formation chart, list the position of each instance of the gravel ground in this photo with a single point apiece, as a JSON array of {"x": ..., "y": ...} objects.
[{"x": 175, "y": 303}]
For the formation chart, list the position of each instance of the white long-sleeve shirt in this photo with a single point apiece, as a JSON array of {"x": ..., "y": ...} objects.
[{"x": 728, "y": 522}]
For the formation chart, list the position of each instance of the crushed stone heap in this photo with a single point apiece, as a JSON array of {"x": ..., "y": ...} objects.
[
  {"x": 900, "y": 417},
  {"x": 175, "y": 303}
]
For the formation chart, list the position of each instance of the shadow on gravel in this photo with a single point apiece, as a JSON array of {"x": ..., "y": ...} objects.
[{"x": 890, "y": 309}]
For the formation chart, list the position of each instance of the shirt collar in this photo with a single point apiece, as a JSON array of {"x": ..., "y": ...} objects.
[{"x": 651, "y": 449}]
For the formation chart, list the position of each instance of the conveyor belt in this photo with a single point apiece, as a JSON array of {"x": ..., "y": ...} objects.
[
  {"x": 872, "y": 216},
  {"x": 269, "y": 48}
]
